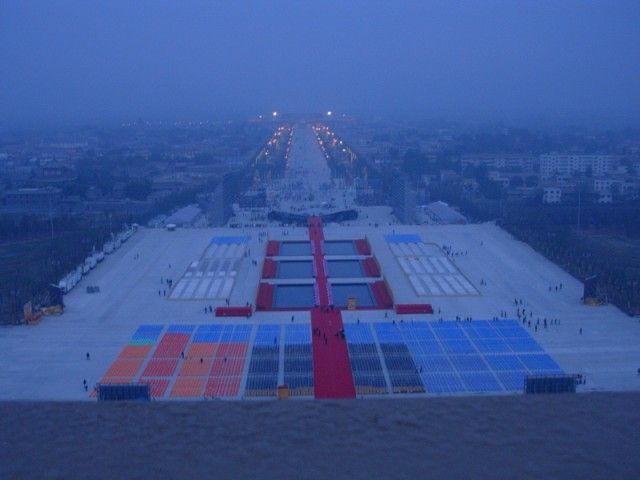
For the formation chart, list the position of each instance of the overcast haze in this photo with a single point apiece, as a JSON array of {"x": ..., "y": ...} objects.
[{"x": 67, "y": 62}]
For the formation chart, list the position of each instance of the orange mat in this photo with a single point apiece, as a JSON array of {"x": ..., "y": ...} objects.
[
  {"x": 133, "y": 351},
  {"x": 201, "y": 350},
  {"x": 125, "y": 367},
  {"x": 157, "y": 386},
  {"x": 188, "y": 387},
  {"x": 110, "y": 380},
  {"x": 194, "y": 368}
]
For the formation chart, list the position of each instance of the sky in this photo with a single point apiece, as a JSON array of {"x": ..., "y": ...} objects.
[{"x": 65, "y": 62}]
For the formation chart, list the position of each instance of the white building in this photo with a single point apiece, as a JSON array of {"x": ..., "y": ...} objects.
[
  {"x": 515, "y": 162},
  {"x": 551, "y": 195},
  {"x": 605, "y": 197},
  {"x": 567, "y": 165}
]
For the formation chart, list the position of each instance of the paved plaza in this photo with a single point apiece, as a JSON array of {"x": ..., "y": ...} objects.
[
  {"x": 48, "y": 361},
  {"x": 168, "y": 284}
]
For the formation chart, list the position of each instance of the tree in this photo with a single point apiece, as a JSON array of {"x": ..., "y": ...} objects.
[
  {"x": 138, "y": 189},
  {"x": 516, "y": 182}
]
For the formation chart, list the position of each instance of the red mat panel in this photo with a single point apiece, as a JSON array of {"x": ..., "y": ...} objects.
[
  {"x": 273, "y": 248},
  {"x": 171, "y": 345},
  {"x": 381, "y": 294},
  {"x": 265, "y": 297},
  {"x": 233, "y": 311},
  {"x": 222, "y": 387},
  {"x": 160, "y": 367},
  {"x": 362, "y": 247},
  {"x": 232, "y": 366},
  {"x": 157, "y": 386},
  {"x": 371, "y": 267},
  {"x": 268, "y": 268},
  {"x": 414, "y": 308}
]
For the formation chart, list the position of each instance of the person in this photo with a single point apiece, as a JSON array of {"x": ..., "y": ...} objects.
[
  {"x": 159, "y": 293},
  {"x": 88, "y": 356},
  {"x": 580, "y": 330},
  {"x": 182, "y": 354},
  {"x": 201, "y": 360}
]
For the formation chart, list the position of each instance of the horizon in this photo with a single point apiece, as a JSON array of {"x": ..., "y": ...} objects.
[{"x": 73, "y": 64}]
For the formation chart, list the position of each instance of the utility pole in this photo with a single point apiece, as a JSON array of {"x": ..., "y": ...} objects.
[
  {"x": 579, "y": 206},
  {"x": 50, "y": 216}
]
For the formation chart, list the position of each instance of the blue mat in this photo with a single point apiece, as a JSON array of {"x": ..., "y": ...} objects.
[
  {"x": 181, "y": 328},
  {"x": 230, "y": 240},
  {"x": 512, "y": 381},
  {"x": 442, "y": 383},
  {"x": 480, "y": 382},
  {"x": 403, "y": 238}
]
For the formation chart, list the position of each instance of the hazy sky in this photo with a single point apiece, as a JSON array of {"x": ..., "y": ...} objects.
[{"x": 65, "y": 62}]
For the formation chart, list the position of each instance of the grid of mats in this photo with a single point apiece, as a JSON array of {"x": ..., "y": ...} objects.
[
  {"x": 214, "y": 273},
  {"x": 429, "y": 271},
  {"x": 458, "y": 357},
  {"x": 129, "y": 362},
  {"x": 187, "y": 362},
  {"x": 262, "y": 378},
  {"x": 432, "y": 357},
  {"x": 298, "y": 360},
  {"x": 368, "y": 376},
  {"x": 220, "y": 351}
]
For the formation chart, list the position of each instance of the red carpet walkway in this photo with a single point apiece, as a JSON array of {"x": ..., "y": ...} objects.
[
  {"x": 316, "y": 235},
  {"x": 332, "y": 376}
]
